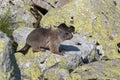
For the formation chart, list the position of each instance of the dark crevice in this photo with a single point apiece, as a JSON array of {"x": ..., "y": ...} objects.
[
  {"x": 78, "y": 43},
  {"x": 93, "y": 79},
  {"x": 114, "y": 2},
  {"x": 71, "y": 70},
  {"x": 11, "y": 2},
  {"x": 49, "y": 3}
]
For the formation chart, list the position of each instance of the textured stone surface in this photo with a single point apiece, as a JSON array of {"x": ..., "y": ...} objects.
[
  {"x": 98, "y": 20},
  {"x": 20, "y": 10},
  {"x": 9, "y": 69},
  {"x": 95, "y": 21},
  {"x": 101, "y": 70},
  {"x": 3, "y": 40}
]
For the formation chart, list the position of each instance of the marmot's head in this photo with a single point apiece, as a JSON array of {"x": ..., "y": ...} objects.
[
  {"x": 66, "y": 32},
  {"x": 64, "y": 35}
]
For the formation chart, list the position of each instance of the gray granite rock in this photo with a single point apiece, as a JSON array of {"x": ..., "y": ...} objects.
[{"x": 8, "y": 66}]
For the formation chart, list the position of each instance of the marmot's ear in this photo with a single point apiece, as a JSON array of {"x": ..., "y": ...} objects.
[
  {"x": 71, "y": 29},
  {"x": 60, "y": 31}
]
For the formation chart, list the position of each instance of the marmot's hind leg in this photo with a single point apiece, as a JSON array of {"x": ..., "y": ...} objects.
[
  {"x": 25, "y": 49},
  {"x": 37, "y": 49}
]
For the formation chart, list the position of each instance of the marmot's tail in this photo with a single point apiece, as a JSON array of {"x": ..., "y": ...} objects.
[{"x": 25, "y": 49}]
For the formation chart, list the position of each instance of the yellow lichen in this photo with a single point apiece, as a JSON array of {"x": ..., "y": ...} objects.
[
  {"x": 89, "y": 19},
  {"x": 76, "y": 77},
  {"x": 2, "y": 45},
  {"x": 63, "y": 62},
  {"x": 51, "y": 61},
  {"x": 32, "y": 72},
  {"x": 56, "y": 74}
]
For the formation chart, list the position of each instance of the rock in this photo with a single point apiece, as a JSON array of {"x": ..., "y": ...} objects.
[
  {"x": 21, "y": 33},
  {"x": 98, "y": 19},
  {"x": 95, "y": 19},
  {"x": 50, "y": 5},
  {"x": 8, "y": 67},
  {"x": 19, "y": 10},
  {"x": 56, "y": 74},
  {"x": 96, "y": 22},
  {"x": 74, "y": 55},
  {"x": 3, "y": 41},
  {"x": 98, "y": 70}
]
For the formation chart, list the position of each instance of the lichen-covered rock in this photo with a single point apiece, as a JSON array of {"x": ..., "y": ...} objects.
[
  {"x": 77, "y": 51},
  {"x": 21, "y": 34},
  {"x": 3, "y": 40},
  {"x": 51, "y": 4},
  {"x": 97, "y": 28},
  {"x": 8, "y": 67},
  {"x": 20, "y": 10},
  {"x": 101, "y": 70},
  {"x": 56, "y": 74},
  {"x": 98, "y": 20}
]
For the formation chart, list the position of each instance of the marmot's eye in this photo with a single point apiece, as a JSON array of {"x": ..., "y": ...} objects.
[{"x": 66, "y": 33}]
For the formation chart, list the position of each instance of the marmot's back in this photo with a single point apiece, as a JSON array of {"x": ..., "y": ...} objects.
[{"x": 38, "y": 36}]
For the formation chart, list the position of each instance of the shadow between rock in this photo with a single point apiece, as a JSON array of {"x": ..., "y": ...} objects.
[
  {"x": 9, "y": 63},
  {"x": 68, "y": 48}
]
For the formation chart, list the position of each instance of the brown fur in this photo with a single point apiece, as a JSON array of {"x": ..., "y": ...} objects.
[{"x": 41, "y": 39}]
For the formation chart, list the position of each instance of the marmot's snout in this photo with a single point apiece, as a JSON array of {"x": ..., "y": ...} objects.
[{"x": 70, "y": 36}]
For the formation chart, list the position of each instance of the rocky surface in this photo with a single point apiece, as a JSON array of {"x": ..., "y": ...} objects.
[
  {"x": 101, "y": 70},
  {"x": 98, "y": 20},
  {"x": 20, "y": 10},
  {"x": 9, "y": 69},
  {"x": 97, "y": 33},
  {"x": 3, "y": 41},
  {"x": 77, "y": 51}
]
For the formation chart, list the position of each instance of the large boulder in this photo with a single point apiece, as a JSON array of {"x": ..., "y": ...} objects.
[
  {"x": 9, "y": 69},
  {"x": 101, "y": 70},
  {"x": 19, "y": 11},
  {"x": 98, "y": 20}
]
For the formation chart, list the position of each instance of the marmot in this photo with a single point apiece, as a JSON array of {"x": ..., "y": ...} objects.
[{"x": 41, "y": 39}]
